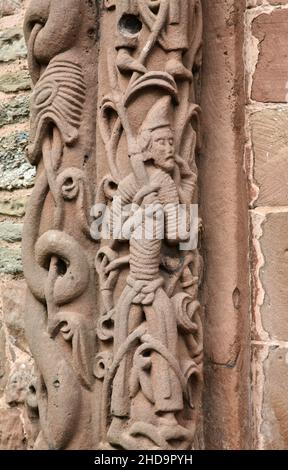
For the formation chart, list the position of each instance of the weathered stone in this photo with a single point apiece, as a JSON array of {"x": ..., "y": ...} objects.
[
  {"x": 10, "y": 261},
  {"x": 12, "y": 435},
  {"x": 272, "y": 68},
  {"x": 12, "y": 45},
  {"x": 274, "y": 427},
  {"x": 16, "y": 81},
  {"x": 31, "y": 426},
  {"x": 10, "y": 232},
  {"x": 2, "y": 351},
  {"x": 144, "y": 404},
  {"x": 274, "y": 274},
  {"x": 13, "y": 206},
  {"x": 21, "y": 390},
  {"x": 15, "y": 171},
  {"x": 16, "y": 110},
  {"x": 3, "y": 359},
  {"x": 8, "y": 7},
  {"x": 224, "y": 209},
  {"x": 18, "y": 383},
  {"x": 13, "y": 300},
  {"x": 269, "y": 129},
  {"x": 254, "y": 3}
]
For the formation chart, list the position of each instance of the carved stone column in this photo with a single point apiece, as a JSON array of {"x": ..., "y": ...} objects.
[{"x": 113, "y": 316}]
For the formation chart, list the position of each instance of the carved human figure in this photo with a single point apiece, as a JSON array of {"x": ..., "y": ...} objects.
[
  {"x": 145, "y": 292},
  {"x": 173, "y": 37}
]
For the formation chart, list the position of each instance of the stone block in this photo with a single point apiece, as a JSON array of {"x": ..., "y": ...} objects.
[
  {"x": 16, "y": 110},
  {"x": 10, "y": 261},
  {"x": 269, "y": 132},
  {"x": 12, "y": 435},
  {"x": 16, "y": 81},
  {"x": 255, "y": 3},
  {"x": 270, "y": 83},
  {"x": 273, "y": 244},
  {"x": 274, "y": 428},
  {"x": 17, "y": 387},
  {"x": 13, "y": 301},
  {"x": 2, "y": 351},
  {"x": 12, "y": 45},
  {"x": 11, "y": 205},
  {"x": 15, "y": 171},
  {"x": 10, "y": 233},
  {"x": 9, "y": 7},
  {"x": 3, "y": 360}
]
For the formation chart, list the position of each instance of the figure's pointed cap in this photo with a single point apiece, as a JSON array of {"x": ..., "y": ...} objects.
[{"x": 158, "y": 116}]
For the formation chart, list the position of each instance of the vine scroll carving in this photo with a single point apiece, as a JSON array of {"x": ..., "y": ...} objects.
[{"x": 113, "y": 316}]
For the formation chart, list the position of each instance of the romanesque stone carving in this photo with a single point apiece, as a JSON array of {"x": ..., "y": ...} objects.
[
  {"x": 113, "y": 317},
  {"x": 58, "y": 252}
]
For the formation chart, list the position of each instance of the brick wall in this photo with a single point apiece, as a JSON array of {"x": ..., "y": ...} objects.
[
  {"x": 16, "y": 180},
  {"x": 266, "y": 60}
]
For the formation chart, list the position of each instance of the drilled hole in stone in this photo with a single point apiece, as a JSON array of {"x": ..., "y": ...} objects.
[
  {"x": 32, "y": 389},
  {"x": 113, "y": 186},
  {"x": 109, "y": 324},
  {"x": 85, "y": 160},
  {"x": 146, "y": 353},
  {"x": 56, "y": 384},
  {"x": 130, "y": 25},
  {"x": 91, "y": 33},
  {"x": 61, "y": 267},
  {"x": 68, "y": 182}
]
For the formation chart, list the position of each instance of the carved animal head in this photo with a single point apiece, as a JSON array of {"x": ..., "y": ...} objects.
[{"x": 59, "y": 98}]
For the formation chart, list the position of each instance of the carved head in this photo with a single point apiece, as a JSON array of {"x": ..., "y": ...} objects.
[
  {"x": 162, "y": 149},
  {"x": 156, "y": 138}
]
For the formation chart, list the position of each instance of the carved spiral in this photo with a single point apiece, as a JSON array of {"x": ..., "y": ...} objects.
[{"x": 75, "y": 280}]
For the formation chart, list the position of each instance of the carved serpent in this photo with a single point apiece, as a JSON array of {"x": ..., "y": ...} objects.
[
  {"x": 36, "y": 255},
  {"x": 58, "y": 390}
]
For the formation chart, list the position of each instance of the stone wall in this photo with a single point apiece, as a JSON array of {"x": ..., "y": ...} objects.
[
  {"x": 267, "y": 167},
  {"x": 16, "y": 180}
]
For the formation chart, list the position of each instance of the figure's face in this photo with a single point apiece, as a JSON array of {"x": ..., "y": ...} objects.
[{"x": 162, "y": 149}]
